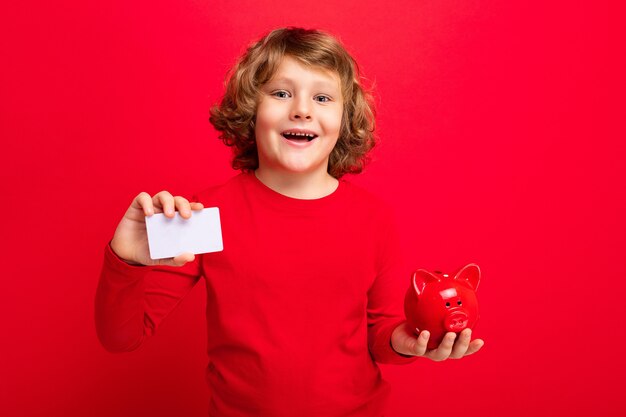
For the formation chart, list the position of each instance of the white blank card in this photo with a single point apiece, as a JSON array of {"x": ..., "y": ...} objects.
[{"x": 169, "y": 237}]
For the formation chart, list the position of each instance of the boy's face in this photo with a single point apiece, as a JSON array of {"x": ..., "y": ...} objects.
[{"x": 298, "y": 103}]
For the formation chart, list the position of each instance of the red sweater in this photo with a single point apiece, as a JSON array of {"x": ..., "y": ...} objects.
[{"x": 301, "y": 302}]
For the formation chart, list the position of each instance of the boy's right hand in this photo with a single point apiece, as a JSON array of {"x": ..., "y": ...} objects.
[{"x": 130, "y": 241}]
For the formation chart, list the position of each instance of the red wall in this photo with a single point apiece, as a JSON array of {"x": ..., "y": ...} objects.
[{"x": 502, "y": 127}]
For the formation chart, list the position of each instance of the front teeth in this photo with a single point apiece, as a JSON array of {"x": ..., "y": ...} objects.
[{"x": 307, "y": 135}]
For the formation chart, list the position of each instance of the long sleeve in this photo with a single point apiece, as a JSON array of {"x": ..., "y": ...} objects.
[
  {"x": 132, "y": 301},
  {"x": 386, "y": 296}
]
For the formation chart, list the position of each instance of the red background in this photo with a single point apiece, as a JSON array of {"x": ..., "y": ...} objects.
[{"x": 502, "y": 144}]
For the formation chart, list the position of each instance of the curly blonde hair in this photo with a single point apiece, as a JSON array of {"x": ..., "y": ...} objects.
[{"x": 234, "y": 117}]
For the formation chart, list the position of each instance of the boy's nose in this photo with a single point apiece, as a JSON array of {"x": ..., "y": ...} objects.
[{"x": 301, "y": 110}]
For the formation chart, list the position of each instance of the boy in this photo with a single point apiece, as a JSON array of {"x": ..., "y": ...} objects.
[{"x": 306, "y": 296}]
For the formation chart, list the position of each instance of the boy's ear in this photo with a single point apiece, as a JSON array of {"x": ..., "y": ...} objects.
[
  {"x": 420, "y": 278},
  {"x": 471, "y": 274}
]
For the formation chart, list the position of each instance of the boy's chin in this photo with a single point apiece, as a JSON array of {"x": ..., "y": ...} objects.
[{"x": 298, "y": 170}]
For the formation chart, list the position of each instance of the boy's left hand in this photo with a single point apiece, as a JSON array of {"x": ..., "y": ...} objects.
[{"x": 403, "y": 341}]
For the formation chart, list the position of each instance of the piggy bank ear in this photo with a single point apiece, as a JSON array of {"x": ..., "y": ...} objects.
[
  {"x": 471, "y": 274},
  {"x": 421, "y": 277}
]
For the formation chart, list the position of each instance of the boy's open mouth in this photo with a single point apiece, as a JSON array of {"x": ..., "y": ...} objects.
[{"x": 299, "y": 136}]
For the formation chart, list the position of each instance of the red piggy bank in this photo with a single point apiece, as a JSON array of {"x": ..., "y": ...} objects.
[{"x": 440, "y": 304}]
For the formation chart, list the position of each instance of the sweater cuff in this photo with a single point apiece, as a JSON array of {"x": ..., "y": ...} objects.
[
  {"x": 386, "y": 353},
  {"x": 123, "y": 270}
]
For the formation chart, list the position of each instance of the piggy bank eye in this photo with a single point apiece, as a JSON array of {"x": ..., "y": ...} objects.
[
  {"x": 459, "y": 302},
  {"x": 447, "y": 304}
]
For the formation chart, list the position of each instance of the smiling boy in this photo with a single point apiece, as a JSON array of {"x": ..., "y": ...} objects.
[
  {"x": 298, "y": 121},
  {"x": 305, "y": 298}
]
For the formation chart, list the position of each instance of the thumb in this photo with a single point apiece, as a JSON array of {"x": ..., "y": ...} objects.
[
  {"x": 402, "y": 341},
  {"x": 183, "y": 258}
]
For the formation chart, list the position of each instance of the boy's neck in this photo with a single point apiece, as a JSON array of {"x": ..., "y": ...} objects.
[{"x": 304, "y": 186}]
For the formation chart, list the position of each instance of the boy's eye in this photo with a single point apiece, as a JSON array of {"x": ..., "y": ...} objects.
[
  {"x": 323, "y": 99},
  {"x": 280, "y": 94}
]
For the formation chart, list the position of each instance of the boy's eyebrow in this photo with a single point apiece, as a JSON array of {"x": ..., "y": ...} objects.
[{"x": 319, "y": 84}]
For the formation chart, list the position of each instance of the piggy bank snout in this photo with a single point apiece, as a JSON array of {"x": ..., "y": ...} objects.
[{"x": 456, "y": 321}]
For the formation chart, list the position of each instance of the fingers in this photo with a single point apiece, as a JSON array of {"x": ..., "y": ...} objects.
[
  {"x": 475, "y": 346},
  {"x": 422, "y": 343},
  {"x": 183, "y": 206},
  {"x": 451, "y": 349},
  {"x": 164, "y": 202},
  {"x": 444, "y": 349},
  {"x": 144, "y": 202},
  {"x": 461, "y": 345},
  {"x": 197, "y": 206}
]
